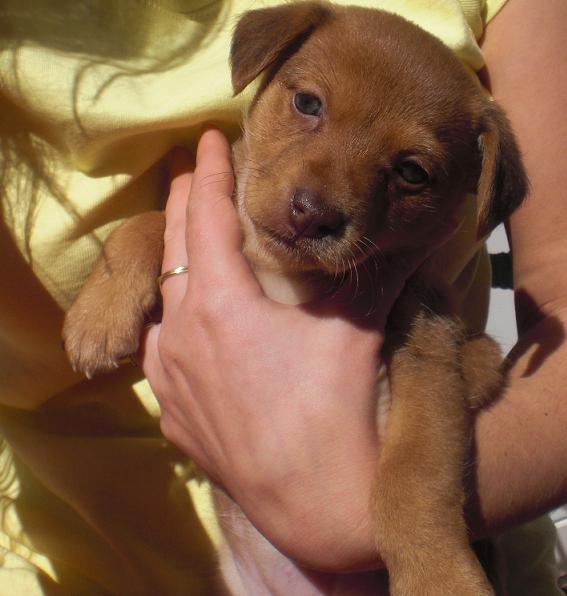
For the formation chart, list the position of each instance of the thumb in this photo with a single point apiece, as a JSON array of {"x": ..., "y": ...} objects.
[{"x": 214, "y": 235}]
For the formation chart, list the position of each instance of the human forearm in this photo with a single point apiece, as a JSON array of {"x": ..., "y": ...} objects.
[{"x": 521, "y": 441}]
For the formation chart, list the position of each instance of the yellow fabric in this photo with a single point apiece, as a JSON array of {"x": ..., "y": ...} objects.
[{"x": 92, "y": 96}]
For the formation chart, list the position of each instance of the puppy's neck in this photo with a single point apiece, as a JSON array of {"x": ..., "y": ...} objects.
[{"x": 292, "y": 288}]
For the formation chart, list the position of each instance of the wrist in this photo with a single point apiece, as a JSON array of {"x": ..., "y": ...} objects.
[{"x": 322, "y": 524}]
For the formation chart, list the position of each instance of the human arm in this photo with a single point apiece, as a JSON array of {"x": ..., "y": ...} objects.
[{"x": 521, "y": 439}]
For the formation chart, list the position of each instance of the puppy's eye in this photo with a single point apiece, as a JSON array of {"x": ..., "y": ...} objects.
[
  {"x": 412, "y": 173},
  {"x": 307, "y": 104}
]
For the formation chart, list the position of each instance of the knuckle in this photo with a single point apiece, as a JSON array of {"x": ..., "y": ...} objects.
[
  {"x": 168, "y": 348},
  {"x": 216, "y": 307},
  {"x": 166, "y": 426},
  {"x": 157, "y": 387}
]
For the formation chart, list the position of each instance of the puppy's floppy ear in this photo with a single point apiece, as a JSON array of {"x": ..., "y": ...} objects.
[
  {"x": 262, "y": 36},
  {"x": 503, "y": 183}
]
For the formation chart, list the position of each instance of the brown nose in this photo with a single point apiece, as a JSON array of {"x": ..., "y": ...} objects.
[{"x": 311, "y": 218}]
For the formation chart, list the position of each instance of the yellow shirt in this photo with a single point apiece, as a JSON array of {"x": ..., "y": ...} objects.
[{"x": 92, "y": 96}]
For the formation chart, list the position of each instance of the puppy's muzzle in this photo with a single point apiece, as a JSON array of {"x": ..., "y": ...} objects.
[{"x": 312, "y": 218}]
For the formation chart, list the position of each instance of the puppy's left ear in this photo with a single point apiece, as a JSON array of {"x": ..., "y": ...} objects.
[
  {"x": 503, "y": 183},
  {"x": 266, "y": 35}
]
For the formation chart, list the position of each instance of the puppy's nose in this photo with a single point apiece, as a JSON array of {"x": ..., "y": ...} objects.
[{"x": 311, "y": 218}]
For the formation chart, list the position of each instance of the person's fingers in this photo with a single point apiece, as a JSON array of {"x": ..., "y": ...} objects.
[
  {"x": 180, "y": 165},
  {"x": 214, "y": 234},
  {"x": 173, "y": 413},
  {"x": 147, "y": 357}
]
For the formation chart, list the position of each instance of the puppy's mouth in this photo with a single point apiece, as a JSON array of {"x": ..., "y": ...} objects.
[
  {"x": 331, "y": 253},
  {"x": 308, "y": 233},
  {"x": 299, "y": 246}
]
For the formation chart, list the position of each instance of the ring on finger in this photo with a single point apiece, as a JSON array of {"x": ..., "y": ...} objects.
[{"x": 175, "y": 271}]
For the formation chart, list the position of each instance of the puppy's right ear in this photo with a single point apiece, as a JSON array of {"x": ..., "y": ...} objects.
[
  {"x": 263, "y": 36},
  {"x": 503, "y": 183}
]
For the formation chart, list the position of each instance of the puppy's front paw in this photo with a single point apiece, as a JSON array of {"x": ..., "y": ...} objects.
[{"x": 104, "y": 325}]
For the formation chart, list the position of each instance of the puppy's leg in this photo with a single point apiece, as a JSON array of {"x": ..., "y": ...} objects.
[
  {"x": 105, "y": 322},
  {"x": 419, "y": 496},
  {"x": 482, "y": 369}
]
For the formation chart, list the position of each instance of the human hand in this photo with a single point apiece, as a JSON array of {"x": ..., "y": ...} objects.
[{"x": 276, "y": 403}]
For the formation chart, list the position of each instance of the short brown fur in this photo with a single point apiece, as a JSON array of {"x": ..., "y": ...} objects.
[{"x": 389, "y": 92}]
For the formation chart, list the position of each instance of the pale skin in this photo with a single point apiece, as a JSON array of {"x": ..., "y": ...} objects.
[
  {"x": 257, "y": 395},
  {"x": 521, "y": 441}
]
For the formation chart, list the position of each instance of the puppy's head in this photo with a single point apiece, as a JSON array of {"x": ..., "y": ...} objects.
[{"x": 366, "y": 134}]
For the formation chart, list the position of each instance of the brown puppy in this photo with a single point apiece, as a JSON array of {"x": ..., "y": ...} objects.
[{"x": 367, "y": 148}]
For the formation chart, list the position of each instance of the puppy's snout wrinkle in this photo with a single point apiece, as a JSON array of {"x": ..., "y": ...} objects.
[{"x": 310, "y": 217}]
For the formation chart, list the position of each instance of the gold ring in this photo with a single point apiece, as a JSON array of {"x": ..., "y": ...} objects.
[{"x": 171, "y": 273}]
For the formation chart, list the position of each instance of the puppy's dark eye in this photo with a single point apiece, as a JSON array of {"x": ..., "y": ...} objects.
[
  {"x": 412, "y": 173},
  {"x": 307, "y": 104}
]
